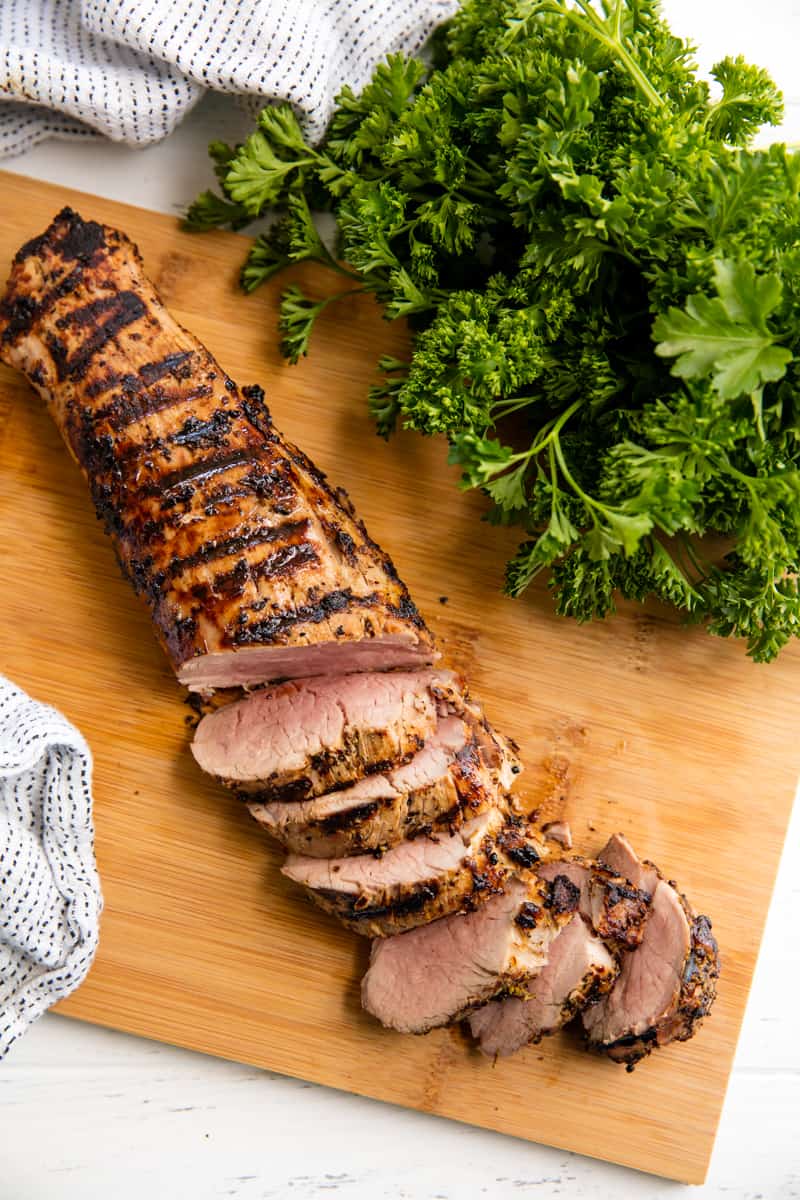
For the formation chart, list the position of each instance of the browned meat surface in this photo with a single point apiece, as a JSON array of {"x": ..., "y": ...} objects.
[
  {"x": 303, "y": 738},
  {"x": 667, "y": 985},
  {"x": 418, "y": 881},
  {"x": 515, "y": 946},
  {"x": 579, "y": 967},
  {"x": 615, "y": 909},
  {"x": 606, "y": 915},
  {"x": 441, "y": 972},
  {"x": 252, "y": 566},
  {"x": 457, "y": 775}
]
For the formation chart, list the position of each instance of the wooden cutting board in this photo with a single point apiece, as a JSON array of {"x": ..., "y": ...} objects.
[{"x": 634, "y": 724}]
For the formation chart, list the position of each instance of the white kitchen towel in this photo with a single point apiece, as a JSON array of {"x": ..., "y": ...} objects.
[
  {"x": 50, "y": 899},
  {"x": 131, "y": 69}
]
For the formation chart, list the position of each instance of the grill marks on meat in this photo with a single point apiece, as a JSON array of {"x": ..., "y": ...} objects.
[
  {"x": 668, "y": 984},
  {"x": 568, "y": 936},
  {"x": 253, "y": 567},
  {"x": 307, "y": 737},
  {"x": 417, "y": 881},
  {"x": 606, "y": 915},
  {"x": 390, "y": 789},
  {"x": 457, "y": 775},
  {"x": 443, "y": 971},
  {"x": 579, "y": 968}
]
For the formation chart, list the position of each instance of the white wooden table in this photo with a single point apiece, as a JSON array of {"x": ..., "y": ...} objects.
[{"x": 87, "y": 1114}]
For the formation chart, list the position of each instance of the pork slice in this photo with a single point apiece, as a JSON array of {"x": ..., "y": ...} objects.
[
  {"x": 252, "y": 566},
  {"x": 303, "y": 738},
  {"x": 578, "y": 968},
  {"x": 440, "y": 972},
  {"x": 619, "y": 856},
  {"x": 420, "y": 880},
  {"x": 666, "y": 985},
  {"x": 606, "y": 915},
  {"x": 455, "y": 776}
]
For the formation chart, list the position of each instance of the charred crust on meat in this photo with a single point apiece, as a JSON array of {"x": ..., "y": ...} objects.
[
  {"x": 206, "y": 434},
  {"x": 129, "y": 407},
  {"x": 624, "y": 911},
  {"x": 291, "y": 532},
  {"x": 517, "y": 849},
  {"x": 34, "y": 247},
  {"x": 406, "y": 610},
  {"x": 178, "y": 364},
  {"x": 82, "y": 239},
  {"x": 361, "y": 908},
  {"x": 79, "y": 242},
  {"x": 528, "y": 915},
  {"x": 123, "y": 308},
  {"x": 195, "y": 472},
  {"x": 21, "y": 312},
  {"x": 285, "y": 561},
  {"x": 255, "y": 408},
  {"x": 272, "y": 628},
  {"x": 347, "y": 545},
  {"x": 564, "y": 896},
  {"x": 351, "y": 818},
  {"x": 296, "y": 789}
]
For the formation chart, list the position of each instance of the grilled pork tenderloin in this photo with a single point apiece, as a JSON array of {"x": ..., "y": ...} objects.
[
  {"x": 421, "y": 880},
  {"x": 306, "y": 737},
  {"x": 579, "y": 967},
  {"x": 253, "y": 567},
  {"x": 608, "y": 917},
  {"x": 436, "y": 975},
  {"x": 667, "y": 985},
  {"x": 255, "y": 570},
  {"x": 439, "y": 973},
  {"x": 453, "y": 778}
]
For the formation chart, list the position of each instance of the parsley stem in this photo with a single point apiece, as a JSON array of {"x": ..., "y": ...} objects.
[
  {"x": 555, "y": 431},
  {"x": 330, "y": 262},
  {"x": 594, "y": 24},
  {"x": 511, "y": 405}
]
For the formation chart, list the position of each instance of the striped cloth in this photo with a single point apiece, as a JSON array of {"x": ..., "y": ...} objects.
[
  {"x": 131, "y": 69},
  {"x": 50, "y": 897}
]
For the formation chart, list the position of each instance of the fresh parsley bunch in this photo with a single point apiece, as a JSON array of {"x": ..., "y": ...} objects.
[{"x": 603, "y": 284}]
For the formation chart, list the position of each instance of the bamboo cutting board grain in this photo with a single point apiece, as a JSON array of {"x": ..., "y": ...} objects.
[{"x": 634, "y": 724}]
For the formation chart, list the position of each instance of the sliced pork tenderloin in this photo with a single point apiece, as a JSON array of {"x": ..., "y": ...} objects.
[
  {"x": 420, "y": 880},
  {"x": 607, "y": 916},
  {"x": 450, "y": 968},
  {"x": 307, "y": 737},
  {"x": 667, "y": 985},
  {"x": 579, "y": 968},
  {"x": 455, "y": 776},
  {"x": 440, "y": 972}
]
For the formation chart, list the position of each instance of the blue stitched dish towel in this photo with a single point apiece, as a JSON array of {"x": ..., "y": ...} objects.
[
  {"x": 50, "y": 898},
  {"x": 131, "y": 69}
]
